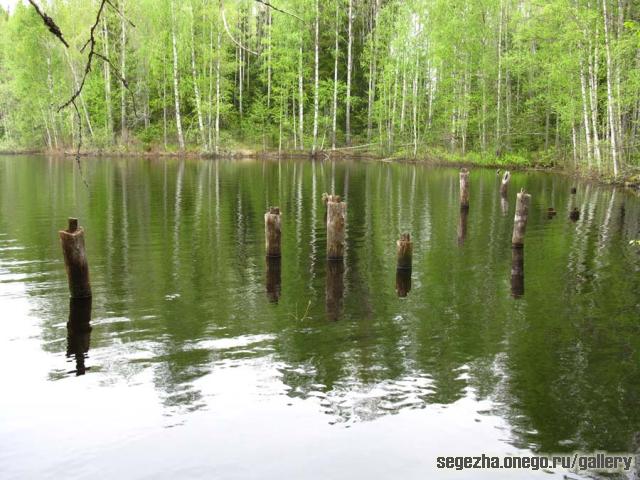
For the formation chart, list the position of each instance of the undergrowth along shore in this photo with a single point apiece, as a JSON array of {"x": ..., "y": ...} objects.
[{"x": 630, "y": 176}]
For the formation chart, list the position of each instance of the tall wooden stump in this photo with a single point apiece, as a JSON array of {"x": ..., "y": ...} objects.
[
  {"x": 520, "y": 219},
  {"x": 75, "y": 260},
  {"x": 403, "y": 282},
  {"x": 272, "y": 232},
  {"x": 464, "y": 188},
  {"x": 79, "y": 331},
  {"x": 274, "y": 282},
  {"x": 405, "y": 251},
  {"x": 462, "y": 225},
  {"x": 336, "y": 220},
  {"x": 504, "y": 185},
  {"x": 334, "y": 289},
  {"x": 517, "y": 271}
]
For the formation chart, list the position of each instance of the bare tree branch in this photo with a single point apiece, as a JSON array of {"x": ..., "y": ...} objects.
[
  {"x": 226, "y": 28},
  {"x": 49, "y": 23},
  {"x": 269, "y": 5}
]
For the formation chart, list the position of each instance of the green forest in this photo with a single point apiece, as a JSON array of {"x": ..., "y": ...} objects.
[{"x": 527, "y": 82}]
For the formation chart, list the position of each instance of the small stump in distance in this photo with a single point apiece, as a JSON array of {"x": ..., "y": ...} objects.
[
  {"x": 336, "y": 221},
  {"x": 272, "y": 234},
  {"x": 504, "y": 185},
  {"x": 464, "y": 188},
  {"x": 75, "y": 260},
  {"x": 520, "y": 220}
]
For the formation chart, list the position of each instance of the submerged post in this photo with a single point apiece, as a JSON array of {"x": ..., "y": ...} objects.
[
  {"x": 504, "y": 185},
  {"x": 336, "y": 220},
  {"x": 462, "y": 225},
  {"x": 405, "y": 251},
  {"x": 272, "y": 232},
  {"x": 520, "y": 219},
  {"x": 75, "y": 260},
  {"x": 464, "y": 188}
]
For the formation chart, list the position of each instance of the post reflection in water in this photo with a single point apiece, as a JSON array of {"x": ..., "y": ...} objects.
[
  {"x": 79, "y": 332},
  {"x": 504, "y": 204},
  {"x": 517, "y": 272},
  {"x": 274, "y": 282},
  {"x": 335, "y": 289},
  {"x": 462, "y": 225},
  {"x": 403, "y": 281}
]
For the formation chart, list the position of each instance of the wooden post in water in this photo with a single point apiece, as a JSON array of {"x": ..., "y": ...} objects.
[
  {"x": 464, "y": 188},
  {"x": 517, "y": 272},
  {"x": 79, "y": 331},
  {"x": 75, "y": 260},
  {"x": 336, "y": 220},
  {"x": 272, "y": 232},
  {"x": 520, "y": 219},
  {"x": 405, "y": 251},
  {"x": 504, "y": 185}
]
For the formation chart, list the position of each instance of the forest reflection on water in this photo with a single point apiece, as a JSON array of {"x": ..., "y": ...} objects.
[{"x": 545, "y": 339}]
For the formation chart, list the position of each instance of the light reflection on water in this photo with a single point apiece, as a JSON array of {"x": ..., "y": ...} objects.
[{"x": 192, "y": 329}]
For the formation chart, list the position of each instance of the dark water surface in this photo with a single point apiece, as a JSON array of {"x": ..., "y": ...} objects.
[{"x": 203, "y": 364}]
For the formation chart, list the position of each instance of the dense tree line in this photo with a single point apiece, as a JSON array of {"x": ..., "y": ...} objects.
[{"x": 516, "y": 79}]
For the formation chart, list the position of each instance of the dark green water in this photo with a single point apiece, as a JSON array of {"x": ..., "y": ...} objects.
[{"x": 201, "y": 364}]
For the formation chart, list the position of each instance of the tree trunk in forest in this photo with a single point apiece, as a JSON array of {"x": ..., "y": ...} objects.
[
  {"x": 107, "y": 81},
  {"x": 349, "y": 69},
  {"x": 610, "y": 99},
  {"x": 301, "y": 99},
  {"x": 217, "y": 122},
  {"x": 196, "y": 90},
  {"x": 123, "y": 74},
  {"x": 334, "y": 109},
  {"x": 176, "y": 86},
  {"x": 316, "y": 84}
]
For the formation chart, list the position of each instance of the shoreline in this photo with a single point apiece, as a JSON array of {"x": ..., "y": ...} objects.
[{"x": 630, "y": 181}]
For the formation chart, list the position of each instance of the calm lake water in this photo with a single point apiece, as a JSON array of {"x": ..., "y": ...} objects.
[{"x": 206, "y": 362}]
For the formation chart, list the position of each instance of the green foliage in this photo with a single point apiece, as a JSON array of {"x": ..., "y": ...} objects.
[{"x": 492, "y": 81}]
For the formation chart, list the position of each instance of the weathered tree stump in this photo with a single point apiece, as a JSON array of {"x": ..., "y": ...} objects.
[
  {"x": 79, "y": 331},
  {"x": 403, "y": 282},
  {"x": 75, "y": 260},
  {"x": 274, "y": 282},
  {"x": 517, "y": 272},
  {"x": 520, "y": 219},
  {"x": 464, "y": 188},
  {"x": 272, "y": 232},
  {"x": 405, "y": 251},
  {"x": 504, "y": 185},
  {"x": 462, "y": 225},
  {"x": 336, "y": 221},
  {"x": 334, "y": 289}
]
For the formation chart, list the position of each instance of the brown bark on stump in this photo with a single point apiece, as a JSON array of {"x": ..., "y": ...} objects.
[
  {"x": 75, "y": 260},
  {"x": 336, "y": 220},
  {"x": 405, "y": 251},
  {"x": 520, "y": 219},
  {"x": 272, "y": 234},
  {"x": 464, "y": 188}
]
